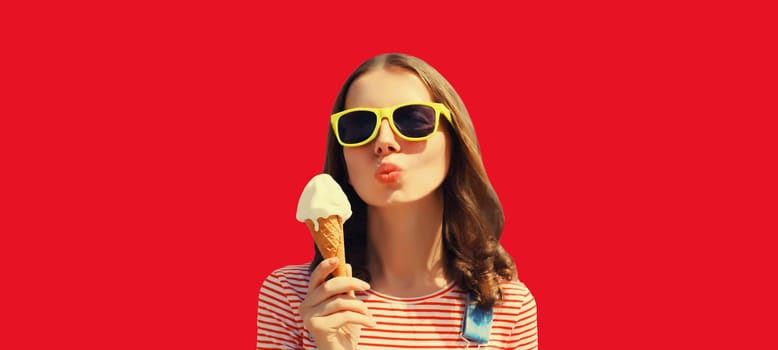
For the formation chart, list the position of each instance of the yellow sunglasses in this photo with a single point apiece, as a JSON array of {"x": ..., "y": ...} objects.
[{"x": 411, "y": 121}]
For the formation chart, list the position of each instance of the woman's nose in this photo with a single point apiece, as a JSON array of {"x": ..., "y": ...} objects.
[{"x": 386, "y": 140}]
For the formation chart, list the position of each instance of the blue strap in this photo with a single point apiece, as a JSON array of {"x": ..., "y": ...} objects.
[{"x": 477, "y": 323}]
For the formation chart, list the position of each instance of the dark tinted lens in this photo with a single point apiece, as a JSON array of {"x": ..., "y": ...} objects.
[
  {"x": 356, "y": 126},
  {"x": 415, "y": 120}
]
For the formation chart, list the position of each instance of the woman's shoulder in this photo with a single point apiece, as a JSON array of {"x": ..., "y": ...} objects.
[
  {"x": 514, "y": 285},
  {"x": 288, "y": 277},
  {"x": 292, "y": 270},
  {"x": 515, "y": 290}
]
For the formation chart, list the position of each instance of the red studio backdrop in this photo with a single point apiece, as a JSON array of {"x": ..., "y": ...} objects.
[{"x": 154, "y": 155}]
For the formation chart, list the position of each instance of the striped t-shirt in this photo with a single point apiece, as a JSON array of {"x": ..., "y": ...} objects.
[{"x": 428, "y": 322}]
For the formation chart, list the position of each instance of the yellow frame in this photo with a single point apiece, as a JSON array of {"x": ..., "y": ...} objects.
[{"x": 388, "y": 113}]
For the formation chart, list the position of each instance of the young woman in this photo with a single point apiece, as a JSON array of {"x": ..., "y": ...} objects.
[{"x": 424, "y": 232}]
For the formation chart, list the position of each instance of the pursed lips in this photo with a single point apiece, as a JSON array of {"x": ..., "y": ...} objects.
[{"x": 387, "y": 172}]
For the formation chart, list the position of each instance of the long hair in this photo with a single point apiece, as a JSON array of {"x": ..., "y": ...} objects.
[{"x": 473, "y": 216}]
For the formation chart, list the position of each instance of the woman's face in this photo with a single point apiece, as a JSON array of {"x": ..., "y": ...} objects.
[{"x": 390, "y": 170}]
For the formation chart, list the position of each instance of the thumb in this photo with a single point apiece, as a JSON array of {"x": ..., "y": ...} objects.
[{"x": 348, "y": 274}]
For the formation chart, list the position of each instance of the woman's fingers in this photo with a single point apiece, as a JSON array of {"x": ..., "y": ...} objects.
[
  {"x": 320, "y": 289},
  {"x": 320, "y": 273},
  {"x": 331, "y": 311},
  {"x": 341, "y": 319},
  {"x": 342, "y": 303},
  {"x": 338, "y": 307},
  {"x": 332, "y": 295}
]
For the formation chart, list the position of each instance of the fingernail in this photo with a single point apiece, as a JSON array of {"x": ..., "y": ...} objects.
[
  {"x": 333, "y": 260},
  {"x": 365, "y": 286}
]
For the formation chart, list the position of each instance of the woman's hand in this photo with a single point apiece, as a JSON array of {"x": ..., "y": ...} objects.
[{"x": 331, "y": 312}]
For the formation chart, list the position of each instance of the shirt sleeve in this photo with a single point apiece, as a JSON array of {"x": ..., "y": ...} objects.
[
  {"x": 525, "y": 331},
  {"x": 279, "y": 325}
]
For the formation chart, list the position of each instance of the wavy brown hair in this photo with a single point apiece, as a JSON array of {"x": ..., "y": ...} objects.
[{"x": 473, "y": 217}]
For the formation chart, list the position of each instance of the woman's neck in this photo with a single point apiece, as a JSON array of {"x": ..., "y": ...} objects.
[{"x": 405, "y": 248}]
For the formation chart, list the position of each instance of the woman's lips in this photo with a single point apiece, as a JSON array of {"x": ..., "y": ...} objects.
[{"x": 388, "y": 173}]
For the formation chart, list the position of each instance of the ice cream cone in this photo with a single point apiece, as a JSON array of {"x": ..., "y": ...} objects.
[{"x": 329, "y": 240}]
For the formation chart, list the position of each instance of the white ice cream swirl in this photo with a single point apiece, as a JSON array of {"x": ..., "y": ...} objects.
[{"x": 322, "y": 197}]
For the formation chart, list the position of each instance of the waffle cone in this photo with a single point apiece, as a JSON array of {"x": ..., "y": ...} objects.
[{"x": 329, "y": 241}]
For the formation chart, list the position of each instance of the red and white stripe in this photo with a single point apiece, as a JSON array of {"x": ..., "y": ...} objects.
[{"x": 429, "y": 322}]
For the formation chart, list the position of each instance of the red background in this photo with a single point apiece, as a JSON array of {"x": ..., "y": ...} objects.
[{"x": 154, "y": 154}]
